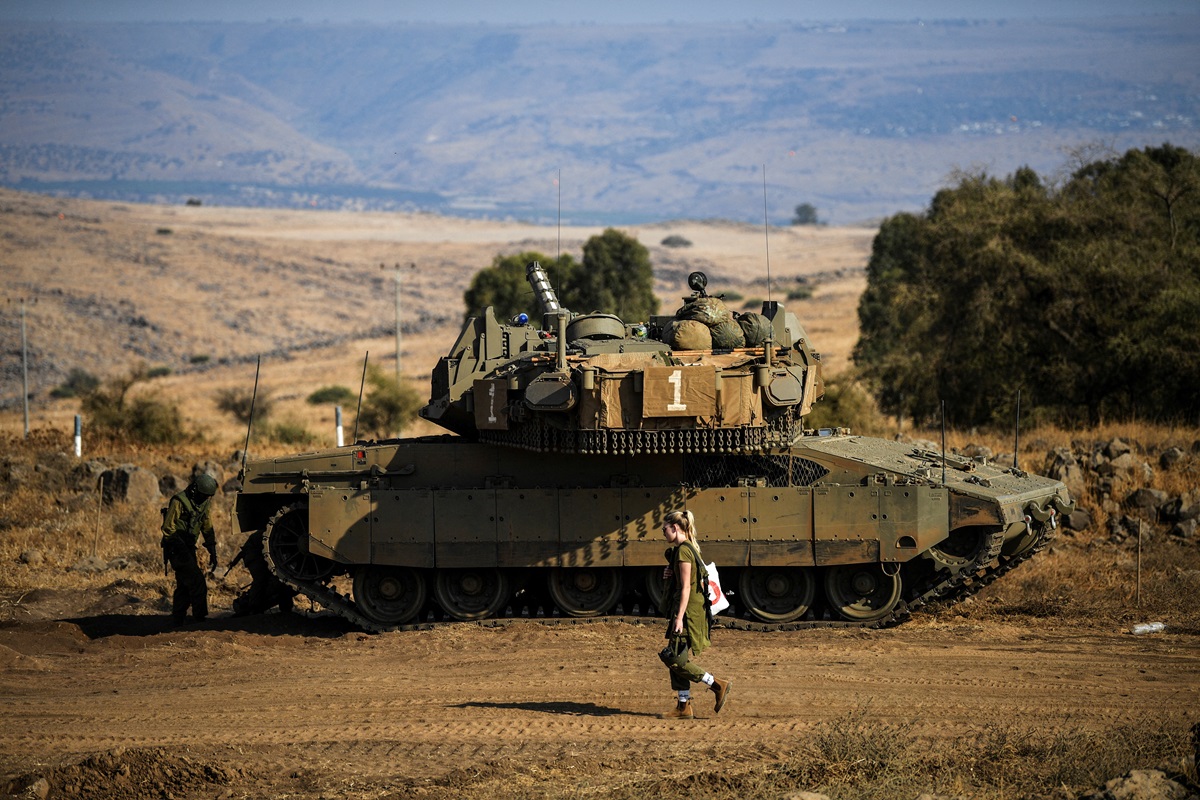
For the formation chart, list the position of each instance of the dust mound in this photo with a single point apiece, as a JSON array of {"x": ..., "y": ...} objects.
[{"x": 141, "y": 774}]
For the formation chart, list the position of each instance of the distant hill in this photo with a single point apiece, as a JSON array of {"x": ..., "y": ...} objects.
[{"x": 861, "y": 119}]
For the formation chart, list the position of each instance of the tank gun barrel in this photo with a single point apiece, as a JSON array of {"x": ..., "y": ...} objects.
[{"x": 547, "y": 299}]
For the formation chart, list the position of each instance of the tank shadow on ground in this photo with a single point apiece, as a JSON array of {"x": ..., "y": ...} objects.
[
  {"x": 102, "y": 626},
  {"x": 565, "y": 708}
]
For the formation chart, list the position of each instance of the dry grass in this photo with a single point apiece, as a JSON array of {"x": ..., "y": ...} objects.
[{"x": 858, "y": 758}]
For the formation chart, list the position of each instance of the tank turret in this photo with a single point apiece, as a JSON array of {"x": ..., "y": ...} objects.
[{"x": 700, "y": 381}]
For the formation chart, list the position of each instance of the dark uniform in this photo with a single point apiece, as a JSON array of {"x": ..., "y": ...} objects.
[
  {"x": 266, "y": 591},
  {"x": 185, "y": 520}
]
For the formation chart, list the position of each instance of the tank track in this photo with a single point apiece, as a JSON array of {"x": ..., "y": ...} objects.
[{"x": 954, "y": 588}]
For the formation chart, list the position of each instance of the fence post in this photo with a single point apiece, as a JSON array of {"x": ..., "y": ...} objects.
[
  {"x": 78, "y": 436},
  {"x": 337, "y": 414}
]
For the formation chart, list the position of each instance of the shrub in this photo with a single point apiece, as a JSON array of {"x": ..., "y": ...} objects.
[
  {"x": 846, "y": 404},
  {"x": 332, "y": 394},
  {"x": 200, "y": 358},
  {"x": 158, "y": 372},
  {"x": 78, "y": 382},
  {"x": 675, "y": 240},
  {"x": 144, "y": 418},
  {"x": 389, "y": 406},
  {"x": 238, "y": 401},
  {"x": 291, "y": 432},
  {"x": 800, "y": 293}
]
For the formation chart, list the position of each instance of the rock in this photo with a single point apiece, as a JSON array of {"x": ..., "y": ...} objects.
[
  {"x": 1061, "y": 465},
  {"x": 40, "y": 789},
  {"x": 171, "y": 485},
  {"x": 1141, "y": 784},
  {"x": 211, "y": 467},
  {"x": 85, "y": 475},
  {"x": 33, "y": 558},
  {"x": 1078, "y": 520},
  {"x": 1117, "y": 448},
  {"x": 49, "y": 478},
  {"x": 1147, "y": 502},
  {"x": 1121, "y": 466},
  {"x": 1170, "y": 457},
  {"x": 1185, "y": 529},
  {"x": 131, "y": 484},
  {"x": 1122, "y": 528},
  {"x": 119, "y": 563},
  {"x": 805, "y": 796},
  {"x": 90, "y": 564},
  {"x": 977, "y": 451}
]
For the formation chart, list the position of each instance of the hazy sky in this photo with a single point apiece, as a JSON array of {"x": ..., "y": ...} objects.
[{"x": 604, "y": 11}]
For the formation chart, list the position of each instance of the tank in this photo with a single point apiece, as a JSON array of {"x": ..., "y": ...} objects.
[{"x": 572, "y": 438}]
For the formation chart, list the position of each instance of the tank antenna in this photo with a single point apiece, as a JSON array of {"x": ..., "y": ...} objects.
[
  {"x": 362, "y": 383},
  {"x": 1017, "y": 433},
  {"x": 943, "y": 443},
  {"x": 250, "y": 420},
  {"x": 766, "y": 232},
  {"x": 558, "y": 183}
]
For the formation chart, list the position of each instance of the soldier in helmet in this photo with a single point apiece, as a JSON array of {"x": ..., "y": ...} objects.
[{"x": 185, "y": 520}]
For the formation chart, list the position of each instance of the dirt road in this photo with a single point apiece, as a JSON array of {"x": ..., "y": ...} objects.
[{"x": 311, "y": 708}]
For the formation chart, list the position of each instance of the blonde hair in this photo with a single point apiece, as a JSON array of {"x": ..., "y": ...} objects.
[{"x": 686, "y": 522}]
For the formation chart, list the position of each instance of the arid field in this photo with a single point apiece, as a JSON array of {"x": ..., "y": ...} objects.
[{"x": 1036, "y": 687}]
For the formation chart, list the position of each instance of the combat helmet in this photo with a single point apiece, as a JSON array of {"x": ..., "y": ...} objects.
[{"x": 206, "y": 484}]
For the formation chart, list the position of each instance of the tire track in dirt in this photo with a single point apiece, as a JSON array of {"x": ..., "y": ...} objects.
[{"x": 426, "y": 703}]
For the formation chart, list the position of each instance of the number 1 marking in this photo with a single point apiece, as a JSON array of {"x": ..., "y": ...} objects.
[{"x": 677, "y": 379}]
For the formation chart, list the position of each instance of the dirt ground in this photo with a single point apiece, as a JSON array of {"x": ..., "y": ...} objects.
[{"x": 102, "y": 699}]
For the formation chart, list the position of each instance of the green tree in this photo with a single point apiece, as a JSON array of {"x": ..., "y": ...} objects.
[
  {"x": 616, "y": 278},
  {"x": 1079, "y": 296},
  {"x": 805, "y": 214},
  {"x": 504, "y": 286}
]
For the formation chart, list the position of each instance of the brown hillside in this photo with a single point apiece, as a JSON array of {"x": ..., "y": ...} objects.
[{"x": 109, "y": 286}]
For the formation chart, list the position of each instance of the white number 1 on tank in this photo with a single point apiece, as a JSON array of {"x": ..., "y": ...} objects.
[{"x": 677, "y": 379}]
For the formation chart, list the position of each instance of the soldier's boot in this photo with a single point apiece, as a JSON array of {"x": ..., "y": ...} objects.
[
  {"x": 721, "y": 689},
  {"x": 682, "y": 711}
]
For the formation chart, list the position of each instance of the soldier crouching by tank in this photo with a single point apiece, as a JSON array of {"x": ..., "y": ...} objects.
[
  {"x": 266, "y": 591},
  {"x": 185, "y": 519}
]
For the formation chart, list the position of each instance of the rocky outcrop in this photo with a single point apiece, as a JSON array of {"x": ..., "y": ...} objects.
[{"x": 130, "y": 484}]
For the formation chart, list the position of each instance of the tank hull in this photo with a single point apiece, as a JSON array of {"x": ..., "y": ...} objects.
[{"x": 840, "y": 528}]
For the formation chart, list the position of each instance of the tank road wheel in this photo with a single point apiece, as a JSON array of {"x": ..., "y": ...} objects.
[
  {"x": 777, "y": 594},
  {"x": 287, "y": 547},
  {"x": 468, "y": 594},
  {"x": 656, "y": 588},
  {"x": 861, "y": 592},
  {"x": 389, "y": 595},
  {"x": 585, "y": 591}
]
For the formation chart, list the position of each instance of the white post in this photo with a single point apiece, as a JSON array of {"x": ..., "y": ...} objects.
[
  {"x": 337, "y": 415},
  {"x": 24, "y": 370},
  {"x": 78, "y": 436}
]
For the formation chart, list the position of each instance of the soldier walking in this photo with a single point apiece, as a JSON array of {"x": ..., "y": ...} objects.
[{"x": 185, "y": 519}]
